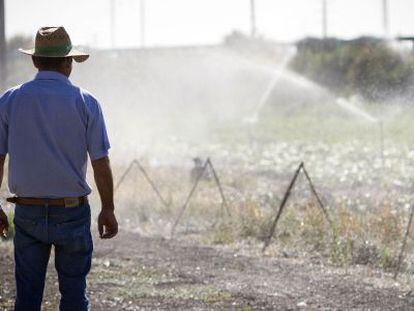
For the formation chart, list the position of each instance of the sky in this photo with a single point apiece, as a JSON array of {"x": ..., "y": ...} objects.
[{"x": 194, "y": 22}]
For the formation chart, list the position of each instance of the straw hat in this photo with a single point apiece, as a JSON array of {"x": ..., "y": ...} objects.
[{"x": 54, "y": 42}]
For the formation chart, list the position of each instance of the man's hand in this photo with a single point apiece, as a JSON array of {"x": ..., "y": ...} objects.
[
  {"x": 107, "y": 224},
  {"x": 4, "y": 224}
]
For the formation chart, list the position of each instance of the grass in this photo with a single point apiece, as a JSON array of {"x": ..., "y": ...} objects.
[
  {"x": 356, "y": 238},
  {"x": 145, "y": 282},
  {"x": 367, "y": 202},
  {"x": 368, "y": 237},
  {"x": 367, "y": 229},
  {"x": 329, "y": 124}
]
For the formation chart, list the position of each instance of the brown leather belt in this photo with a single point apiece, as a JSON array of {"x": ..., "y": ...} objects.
[{"x": 66, "y": 202}]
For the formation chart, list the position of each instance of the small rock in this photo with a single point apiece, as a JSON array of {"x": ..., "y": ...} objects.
[{"x": 302, "y": 304}]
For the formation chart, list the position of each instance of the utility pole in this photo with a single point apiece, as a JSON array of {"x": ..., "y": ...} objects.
[
  {"x": 3, "y": 50},
  {"x": 253, "y": 29},
  {"x": 324, "y": 19},
  {"x": 112, "y": 22},
  {"x": 143, "y": 15},
  {"x": 385, "y": 18}
]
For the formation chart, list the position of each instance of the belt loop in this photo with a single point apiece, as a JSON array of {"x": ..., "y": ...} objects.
[
  {"x": 12, "y": 200},
  {"x": 47, "y": 209},
  {"x": 47, "y": 218}
]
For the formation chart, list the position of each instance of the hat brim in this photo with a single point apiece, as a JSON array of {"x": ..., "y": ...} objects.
[{"x": 77, "y": 55}]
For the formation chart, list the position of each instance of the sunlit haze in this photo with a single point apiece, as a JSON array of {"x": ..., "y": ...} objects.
[
  {"x": 191, "y": 22},
  {"x": 254, "y": 168}
]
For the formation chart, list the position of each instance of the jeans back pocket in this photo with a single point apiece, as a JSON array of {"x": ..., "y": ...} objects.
[{"x": 74, "y": 235}]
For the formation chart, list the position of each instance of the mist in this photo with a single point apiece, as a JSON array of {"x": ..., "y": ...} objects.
[{"x": 255, "y": 157}]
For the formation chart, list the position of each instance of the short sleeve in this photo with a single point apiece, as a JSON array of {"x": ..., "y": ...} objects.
[
  {"x": 4, "y": 127},
  {"x": 96, "y": 134}
]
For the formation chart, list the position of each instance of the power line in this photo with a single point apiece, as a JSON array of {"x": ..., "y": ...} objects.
[
  {"x": 143, "y": 21},
  {"x": 3, "y": 50},
  {"x": 112, "y": 22},
  {"x": 324, "y": 18},
  {"x": 253, "y": 28},
  {"x": 385, "y": 18},
  {"x": 112, "y": 12}
]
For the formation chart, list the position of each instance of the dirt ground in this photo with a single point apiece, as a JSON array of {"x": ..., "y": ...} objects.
[{"x": 133, "y": 272}]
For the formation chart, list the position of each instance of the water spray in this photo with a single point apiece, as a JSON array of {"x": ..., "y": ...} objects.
[
  {"x": 278, "y": 73},
  {"x": 350, "y": 107}
]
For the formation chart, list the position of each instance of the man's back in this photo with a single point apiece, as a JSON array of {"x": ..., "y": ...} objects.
[{"x": 50, "y": 127}]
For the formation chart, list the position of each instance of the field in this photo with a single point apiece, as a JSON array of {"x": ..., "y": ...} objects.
[
  {"x": 214, "y": 259},
  {"x": 365, "y": 184},
  {"x": 360, "y": 159}
]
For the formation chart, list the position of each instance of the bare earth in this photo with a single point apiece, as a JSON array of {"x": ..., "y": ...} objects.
[{"x": 139, "y": 273}]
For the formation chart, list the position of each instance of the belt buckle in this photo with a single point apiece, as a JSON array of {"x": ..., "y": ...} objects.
[{"x": 71, "y": 202}]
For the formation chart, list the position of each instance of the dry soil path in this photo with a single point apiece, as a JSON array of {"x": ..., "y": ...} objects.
[{"x": 139, "y": 273}]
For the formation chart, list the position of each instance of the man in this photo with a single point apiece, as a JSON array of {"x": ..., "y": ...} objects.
[{"x": 47, "y": 127}]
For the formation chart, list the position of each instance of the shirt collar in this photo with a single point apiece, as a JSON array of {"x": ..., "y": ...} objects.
[{"x": 51, "y": 75}]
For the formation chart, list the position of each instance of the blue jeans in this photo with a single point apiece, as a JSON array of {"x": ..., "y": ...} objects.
[{"x": 39, "y": 227}]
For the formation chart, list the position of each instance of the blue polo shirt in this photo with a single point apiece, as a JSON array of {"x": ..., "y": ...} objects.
[{"x": 48, "y": 127}]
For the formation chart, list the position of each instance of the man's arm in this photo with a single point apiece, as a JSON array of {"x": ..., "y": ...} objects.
[
  {"x": 4, "y": 223},
  {"x": 107, "y": 223}
]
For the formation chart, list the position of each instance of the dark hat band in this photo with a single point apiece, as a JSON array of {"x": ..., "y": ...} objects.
[{"x": 53, "y": 50}]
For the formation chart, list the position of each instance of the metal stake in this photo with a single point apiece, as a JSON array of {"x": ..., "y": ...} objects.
[
  {"x": 282, "y": 206},
  {"x": 404, "y": 244},
  {"x": 148, "y": 179},
  {"x": 218, "y": 183},
  {"x": 321, "y": 205},
  {"x": 121, "y": 180},
  {"x": 188, "y": 198}
]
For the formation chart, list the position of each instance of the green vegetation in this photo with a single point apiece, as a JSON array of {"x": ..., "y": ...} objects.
[
  {"x": 356, "y": 238},
  {"x": 145, "y": 282},
  {"x": 365, "y": 66}
]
